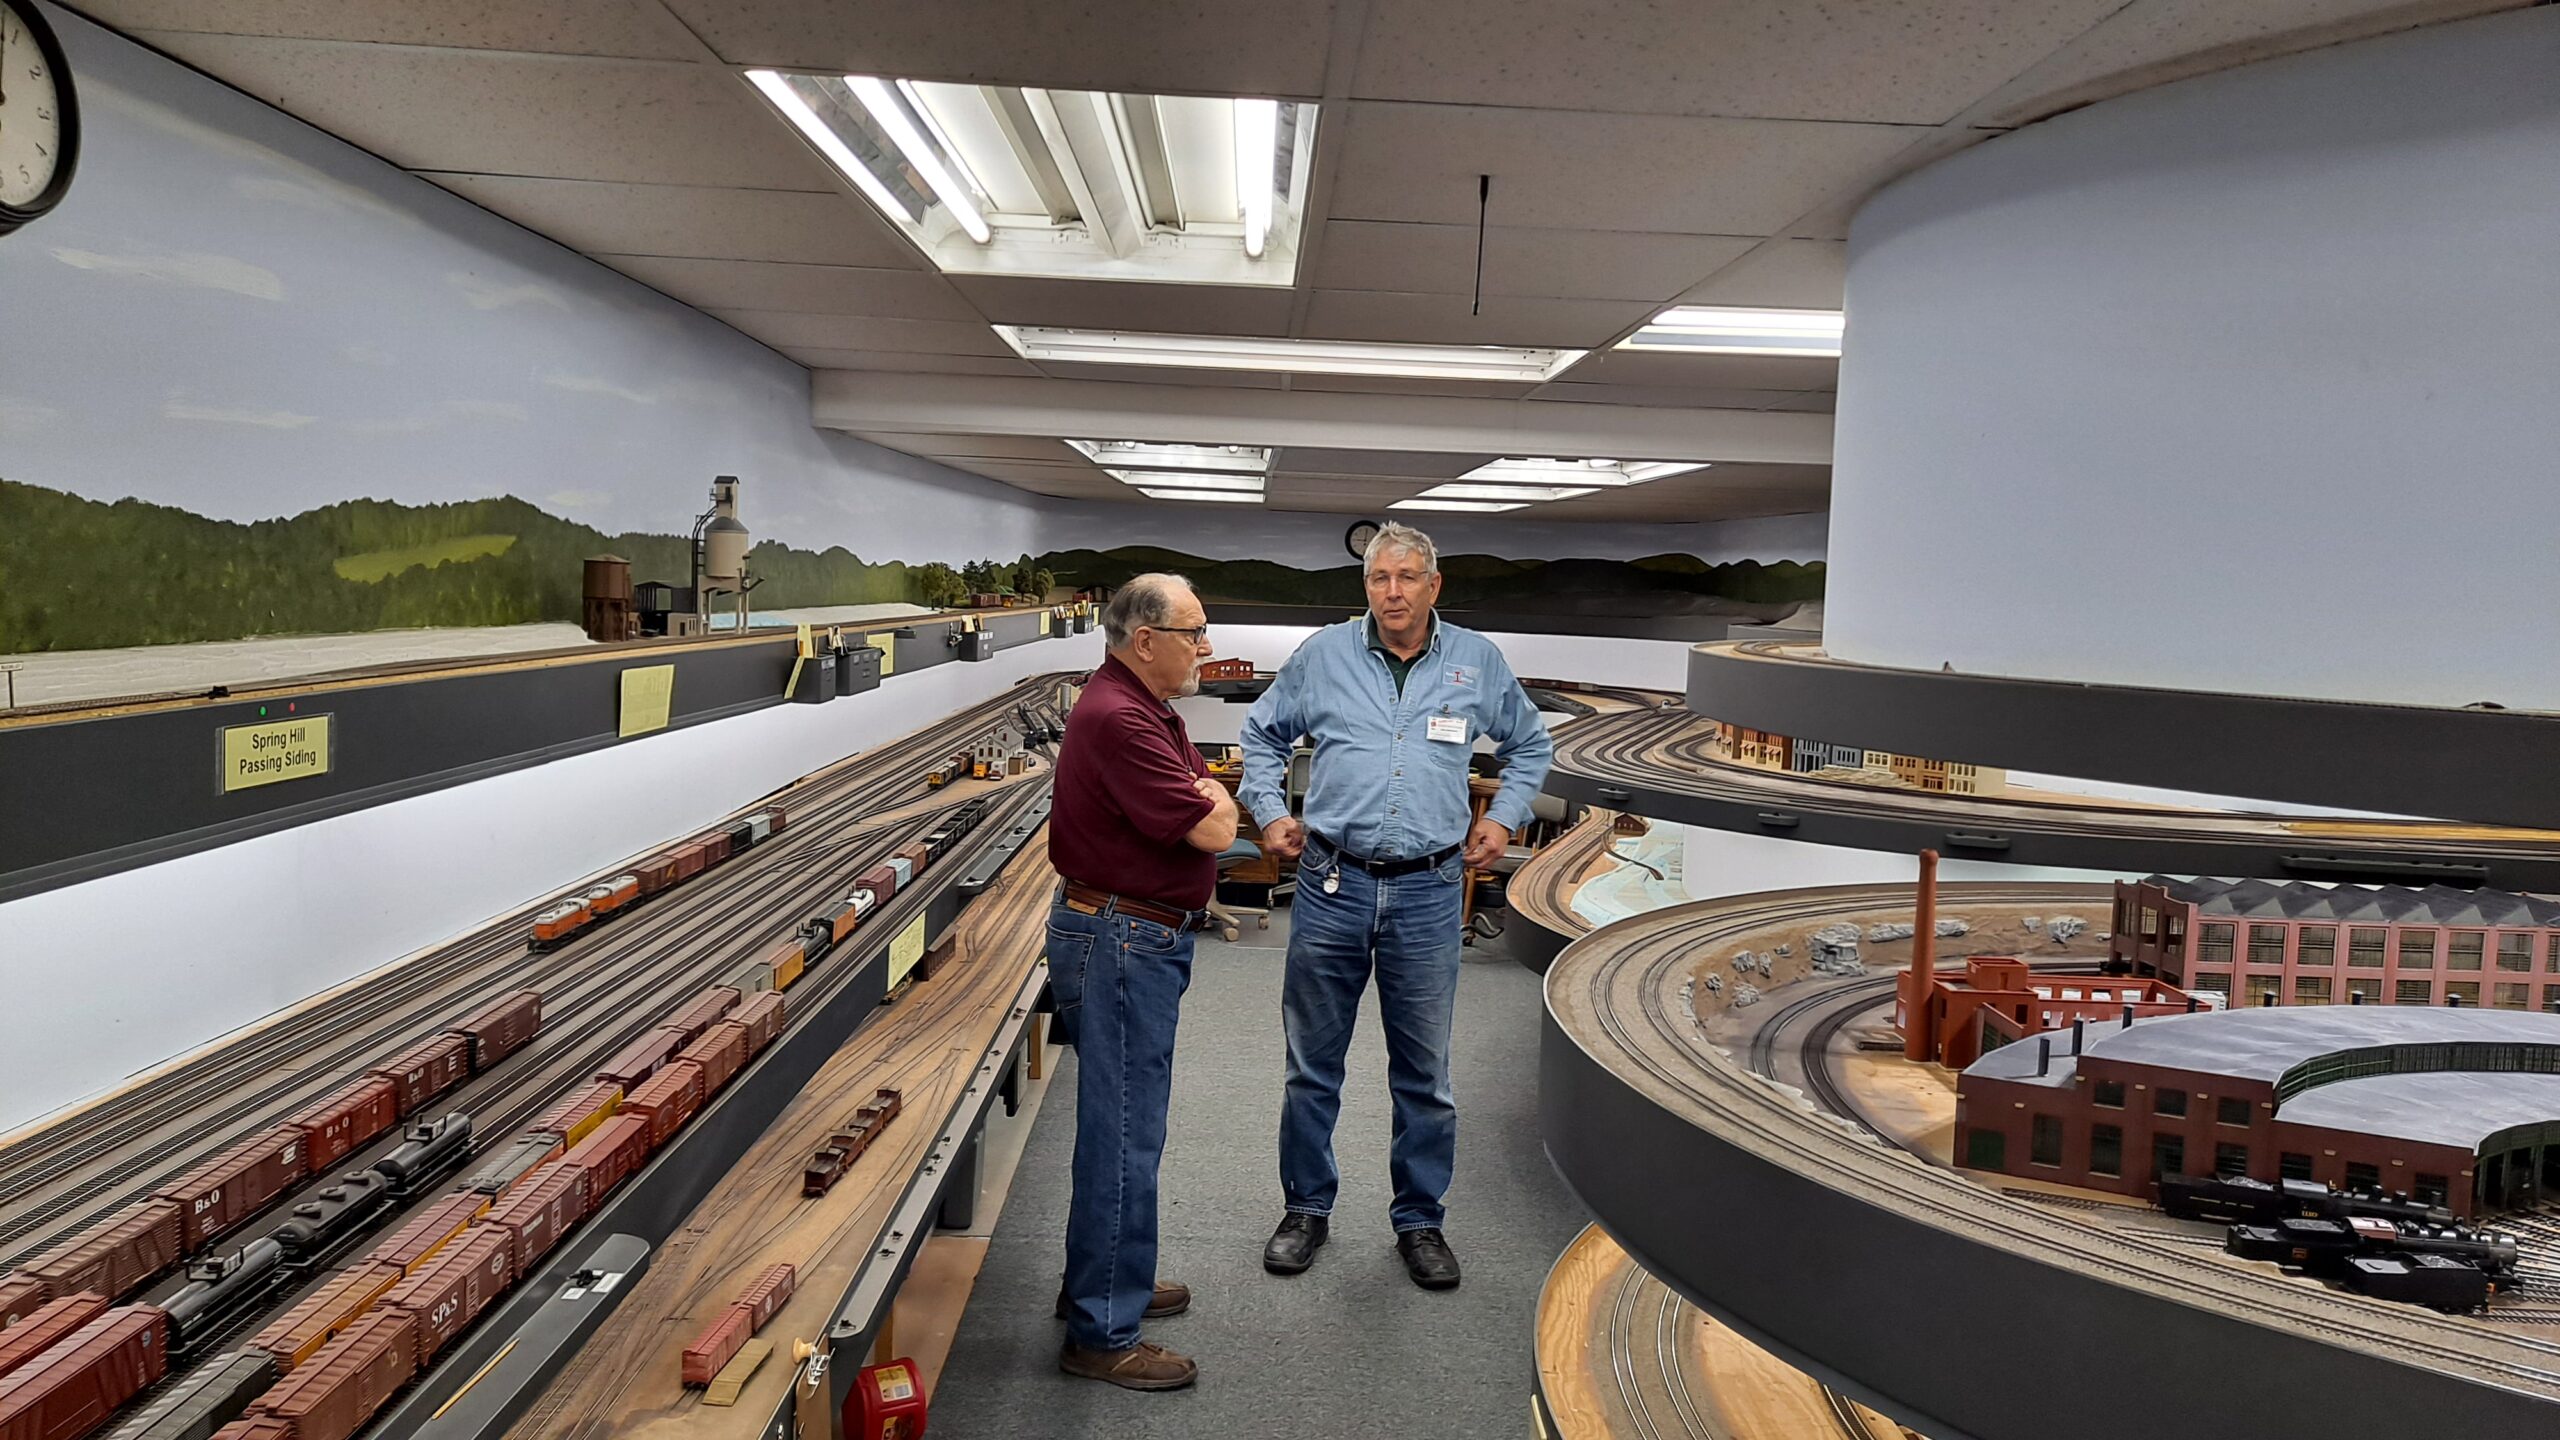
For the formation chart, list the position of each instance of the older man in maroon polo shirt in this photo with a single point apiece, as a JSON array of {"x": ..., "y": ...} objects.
[{"x": 1134, "y": 833}]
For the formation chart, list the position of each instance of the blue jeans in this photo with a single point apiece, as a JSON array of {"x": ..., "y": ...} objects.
[
  {"x": 1118, "y": 985},
  {"x": 1406, "y": 930}
]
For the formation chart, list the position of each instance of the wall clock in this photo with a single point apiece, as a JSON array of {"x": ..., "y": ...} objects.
[
  {"x": 1357, "y": 538},
  {"x": 39, "y": 117}
]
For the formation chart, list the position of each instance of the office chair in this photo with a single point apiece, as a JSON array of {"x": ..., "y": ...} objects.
[{"x": 1231, "y": 918}]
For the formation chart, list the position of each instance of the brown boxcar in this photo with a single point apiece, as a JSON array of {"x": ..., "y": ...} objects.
[
  {"x": 508, "y": 1168},
  {"x": 880, "y": 880},
  {"x": 22, "y": 1295},
  {"x": 915, "y": 855},
  {"x": 46, "y": 1327},
  {"x": 547, "y": 1206},
  {"x": 708, "y": 1009},
  {"x": 227, "y": 1190},
  {"x": 429, "y": 1069},
  {"x": 763, "y": 1018},
  {"x": 721, "y": 1052},
  {"x": 351, "y": 1377},
  {"x": 586, "y": 1107},
  {"x": 768, "y": 1293},
  {"x": 667, "y": 1099},
  {"x": 255, "y": 1427},
  {"x": 449, "y": 1292},
  {"x": 325, "y": 1313},
  {"x": 715, "y": 846},
  {"x": 502, "y": 1029},
  {"x": 333, "y": 1129},
  {"x": 72, "y": 1388},
  {"x": 619, "y": 1147},
  {"x": 641, "y": 1058},
  {"x": 430, "y": 1230},
  {"x": 690, "y": 858},
  {"x": 716, "y": 1346},
  {"x": 138, "y": 1243},
  {"x": 657, "y": 872}
]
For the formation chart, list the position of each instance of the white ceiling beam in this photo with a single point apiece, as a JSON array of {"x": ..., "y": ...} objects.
[{"x": 882, "y": 403}]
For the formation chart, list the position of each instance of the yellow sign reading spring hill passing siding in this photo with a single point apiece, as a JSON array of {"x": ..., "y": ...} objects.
[{"x": 294, "y": 748}]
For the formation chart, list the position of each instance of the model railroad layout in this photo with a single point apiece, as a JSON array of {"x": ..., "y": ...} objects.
[
  {"x": 1665, "y": 762},
  {"x": 561, "y": 1090},
  {"x": 1635, "y": 1089}
]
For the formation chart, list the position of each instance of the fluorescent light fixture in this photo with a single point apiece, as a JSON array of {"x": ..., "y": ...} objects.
[
  {"x": 1227, "y": 496},
  {"x": 1068, "y": 184},
  {"x": 1478, "y": 507},
  {"x": 829, "y": 143},
  {"x": 1508, "y": 492},
  {"x": 1189, "y": 480},
  {"x": 1304, "y": 357},
  {"x": 886, "y": 108},
  {"x": 1154, "y": 455},
  {"x": 1257, "y": 127},
  {"x": 1570, "y": 473},
  {"x": 1730, "y": 330}
]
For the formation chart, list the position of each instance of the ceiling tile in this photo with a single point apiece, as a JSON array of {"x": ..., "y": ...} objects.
[
  {"x": 812, "y": 289},
  {"x": 2152, "y": 42},
  {"x": 1566, "y": 264},
  {"x": 790, "y": 329},
  {"x": 500, "y": 113},
  {"x": 1789, "y": 274},
  {"x": 801, "y": 227},
  {"x": 819, "y": 357},
  {"x": 958, "y": 448},
  {"x": 1798, "y": 59},
  {"x": 1405, "y": 465},
  {"x": 631, "y": 29},
  {"x": 1719, "y": 372},
  {"x": 1743, "y": 177},
  {"x": 1683, "y": 397},
  {"x": 1131, "y": 305},
  {"x": 1385, "y": 385},
  {"x": 1274, "y": 47},
  {"x": 1445, "y": 319}
]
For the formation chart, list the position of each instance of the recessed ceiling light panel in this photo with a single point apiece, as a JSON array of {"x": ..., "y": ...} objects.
[
  {"x": 1535, "y": 470},
  {"x": 1246, "y": 484},
  {"x": 1730, "y": 330},
  {"x": 1152, "y": 455},
  {"x": 1154, "y": 492},
  {"x": 1305, "y": 357},
  {"x": 1071, "y": 184},
  {"x": 1477, "y": 507},
  {"x": 1523, "y": 493}
]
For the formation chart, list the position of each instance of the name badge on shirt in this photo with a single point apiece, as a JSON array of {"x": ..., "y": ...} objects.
[{"x": 1449, "y": 729}]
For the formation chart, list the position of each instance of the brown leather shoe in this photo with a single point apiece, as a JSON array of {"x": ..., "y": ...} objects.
[
  {"x": 1169, "y": 1300},
  {"x": 1142, "y": 1366}
]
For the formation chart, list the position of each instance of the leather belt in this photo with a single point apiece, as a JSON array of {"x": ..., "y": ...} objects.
[
  {"x": 1089, "y": 900},
  {"x": 1387, "y": 869}
]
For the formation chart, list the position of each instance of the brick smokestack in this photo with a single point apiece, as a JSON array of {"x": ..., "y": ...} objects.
[{"x": 1920, "y": 987}]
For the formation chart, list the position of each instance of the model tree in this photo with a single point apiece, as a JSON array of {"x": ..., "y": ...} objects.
[{"x": 938, "y": 584}]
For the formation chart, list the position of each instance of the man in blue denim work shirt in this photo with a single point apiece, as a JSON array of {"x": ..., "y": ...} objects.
[{"x": 1394, "y": 702}]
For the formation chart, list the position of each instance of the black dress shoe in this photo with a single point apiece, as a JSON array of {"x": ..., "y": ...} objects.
[
  {"x": 1427, "y": 1259},
  {"x": 1293, "y": 1246}
]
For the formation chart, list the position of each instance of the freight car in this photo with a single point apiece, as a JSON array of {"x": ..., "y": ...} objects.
[
  {"x": 318, "y": 1225},
  {"x": 86, "y": 1377},
  {"x": 202, "y": 1402},
  {"x": 845, "y": 1146},
  {"x": 219, "y": 1289},
  {"x": 47, "y": 1326},
  {"x": 572, "y": 915},
  {"x": 2434, "y": 1281}
]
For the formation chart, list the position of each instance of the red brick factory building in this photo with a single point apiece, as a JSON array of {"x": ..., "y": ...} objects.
[{"x": 2446, "y": 1103}]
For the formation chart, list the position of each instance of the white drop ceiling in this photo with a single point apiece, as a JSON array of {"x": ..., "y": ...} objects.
[{"x": 1641, "y": 154}]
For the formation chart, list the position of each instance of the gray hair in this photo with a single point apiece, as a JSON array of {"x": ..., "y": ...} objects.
[
  {"x": 1394, "y": 536},
  {"x": 1145, "y": 600}
]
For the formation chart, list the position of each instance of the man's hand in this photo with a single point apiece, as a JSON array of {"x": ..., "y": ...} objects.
[
  {"x": 1218, "y": 795},
  {"x": 1485, "y": 843},
  {"x": 1285, "y": 838}
]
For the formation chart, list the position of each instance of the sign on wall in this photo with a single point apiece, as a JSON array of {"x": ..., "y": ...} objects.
[
  {"x": 295, "y": 748},
  {"x": 905, "y": 950},
  {"x": 648, "y": 696}
]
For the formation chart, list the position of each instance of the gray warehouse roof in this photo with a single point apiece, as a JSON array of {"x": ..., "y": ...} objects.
[
  {"x": 2261, "y": 1043},
  {"x": 2362, "y": 904},
  {"x": 2439, "y": 1108}
]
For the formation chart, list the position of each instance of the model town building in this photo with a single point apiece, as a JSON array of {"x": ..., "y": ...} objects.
[
  {"x": 2454, "y": 1106},
  {"x": 1999, "y": 1000},
  {"x": 2305, "y": 944},
  {"x": 1768, "y": 750}
]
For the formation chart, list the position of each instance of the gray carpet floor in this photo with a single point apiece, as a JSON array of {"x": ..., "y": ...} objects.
[{"x": 1351, "y": 1347}]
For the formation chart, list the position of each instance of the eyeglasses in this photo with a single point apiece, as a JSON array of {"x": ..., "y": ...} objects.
[{"x": 1198, "y": 635}]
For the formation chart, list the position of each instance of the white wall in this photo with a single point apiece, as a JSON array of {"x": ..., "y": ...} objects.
[
  {"x": 1724, "y": 862},
  {"x": 1314, "y": 542},
  {"x": 2243, "y": 383},
  {"x": 210, "y": 942},
  {"x": 1601, "y": 660}
]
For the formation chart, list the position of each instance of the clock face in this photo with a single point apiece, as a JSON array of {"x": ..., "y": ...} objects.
[
  {"x": 38, "y": 127},
  {"x": 1357, "y": 538}
]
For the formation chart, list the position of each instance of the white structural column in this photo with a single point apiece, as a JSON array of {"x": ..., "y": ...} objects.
[
  {"x": 2247, "y": 383},
  {"x": 878, "y": 403}
]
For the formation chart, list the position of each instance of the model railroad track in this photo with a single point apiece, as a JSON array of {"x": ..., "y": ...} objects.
[
  {"x": 80, "y": 1168},
  {"x": 606, "y": 1010},
  {"x": 1645, "y": 1316},
  {"x": 1617, "y": 994},
  {"x": 1670, "y": 754}
]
